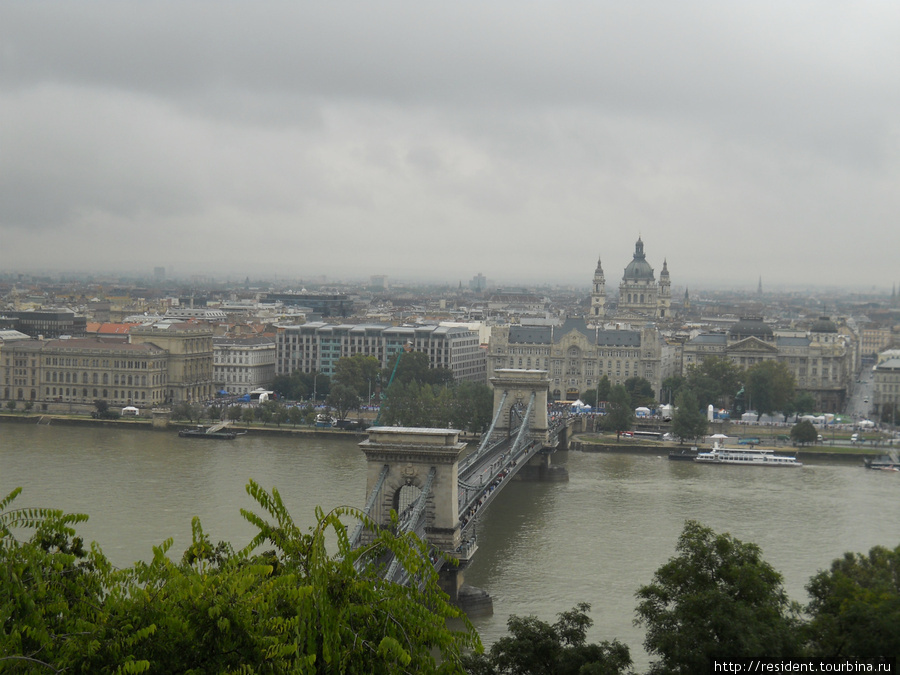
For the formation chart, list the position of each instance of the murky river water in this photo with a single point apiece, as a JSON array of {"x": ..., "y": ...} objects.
[{"x": 543, "y": 547}]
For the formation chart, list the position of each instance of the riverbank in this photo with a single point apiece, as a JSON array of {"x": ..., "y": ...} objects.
[{"x": 146, "y": 425}]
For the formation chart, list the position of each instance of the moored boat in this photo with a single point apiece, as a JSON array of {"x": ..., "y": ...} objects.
[
  {"x": 684, "y": 454},
  {"x": 888, "y": 462},
  {"x": 218, "y": 432},
  {"x": 745, "y": 457}
]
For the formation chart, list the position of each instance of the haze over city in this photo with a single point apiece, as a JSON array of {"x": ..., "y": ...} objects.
[{"x": 521, "y": 140}]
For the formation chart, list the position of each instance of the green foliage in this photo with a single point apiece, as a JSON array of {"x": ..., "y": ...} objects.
[
  {"x": 414, "y": 367},
  {"x": 604, "y": 387},
  {"x": 671, "y": 386},
  {"x": 713, "y": 381},
  {"x": 640, "y": 392},
  {"x": 688, "y": 421},
  {"x": 804, "y": 432},
  {"x": 343, "y": 399},
  {"x": 358, "y": 372},
  {"x": 804, "y": 402},
  {"x": 465, "y": 405},
  {"x": 300, "y": 386},
  {"x": 293, "y": 608},
  {"x": 186, "y": 411},
  {"x": 247, "y": 415},
  {"x": 770, "y": 386},
  {"x": 103, "y": 412},
  {"x": 716, "y": 599},
  {"x": 855, "y": 607},
  {"x": 619, "y": 414},
  {"x": 535, "y": 647},
  {"x": 890, "y": 413}
]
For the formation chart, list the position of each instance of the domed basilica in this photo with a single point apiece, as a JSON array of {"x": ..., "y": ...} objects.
[{"x": 641, "y": 298}]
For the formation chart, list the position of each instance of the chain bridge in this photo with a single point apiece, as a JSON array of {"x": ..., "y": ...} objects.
[{"x": 439, "y": 487}]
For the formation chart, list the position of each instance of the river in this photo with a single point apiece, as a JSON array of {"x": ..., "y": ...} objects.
[{"x": 543, "y": 547}]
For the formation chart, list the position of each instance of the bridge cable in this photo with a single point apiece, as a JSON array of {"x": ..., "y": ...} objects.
[
  {"x": 487, "y": 436},
  {"x": 357, "y": 533}
]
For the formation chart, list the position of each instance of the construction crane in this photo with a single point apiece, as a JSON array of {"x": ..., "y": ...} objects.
[{"x": 407, "y": 348}]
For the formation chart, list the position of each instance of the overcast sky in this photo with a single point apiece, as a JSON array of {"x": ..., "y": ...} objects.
[{"x": 434, "y": 141}]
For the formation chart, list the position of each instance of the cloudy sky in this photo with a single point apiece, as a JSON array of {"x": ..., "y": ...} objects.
[{"x": 434, "y": 141}]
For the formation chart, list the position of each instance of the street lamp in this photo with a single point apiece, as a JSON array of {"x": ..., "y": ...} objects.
[{"x": 315, "y": 384}]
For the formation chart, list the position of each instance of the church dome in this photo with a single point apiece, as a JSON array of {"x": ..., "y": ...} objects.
[
  {"x": 823, "y": 325},
  {"x": 752, "y": 326},
  {"x": 638, "y": 269}
]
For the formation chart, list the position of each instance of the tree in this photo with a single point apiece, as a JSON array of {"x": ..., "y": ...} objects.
[
  {"x": 688, "y": 421},
  {"x": 358, "y": 372},
  {"x": 282, "y": 604},
  {"x": 770, "y": 385},
  {"x": 589, "y": 397},
  {"x": 186, "y": 411},
  {"x": 248, "y": 415},
  {"x": 535, "y": 647},
  {"x": 472, "y": 406},
  {"x": 714, "y": 381},
  {"x": 281, "y": 414},
  {"x": 804, "y": 402},
  {"x": 640, "y": 392},
  {"x": 855, "y": 607},
  {"x": 619, "y": 415},
  {"x": 414, "y": 367},
  {"x": 716, "y": 599},
  {"x": 11, "y": 405},
  {"x": 671, "y": 386},
  {"x": 343, "y": 399},
  {"x": 890, "y": 413},
  {"x": 603, "y": 388},
  {"x": 234, "y": 413},
  {"x": 804, "y": 432},
  {"x": 295, "y": 415}
]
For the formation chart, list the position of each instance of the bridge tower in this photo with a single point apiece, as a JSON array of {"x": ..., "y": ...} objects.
[
  {"x": 517, "y": 386},
  {"x": 416, "y": 458}
]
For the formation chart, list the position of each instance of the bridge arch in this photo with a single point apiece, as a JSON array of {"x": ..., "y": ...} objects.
[
  {"x": 401, "y": 460},
  {"x": 513, "y": 389}
]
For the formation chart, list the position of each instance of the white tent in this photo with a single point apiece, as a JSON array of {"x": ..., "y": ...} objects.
[{"x": 642, "y": 411}]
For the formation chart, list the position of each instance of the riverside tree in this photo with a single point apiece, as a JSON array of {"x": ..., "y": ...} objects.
[
  {"x": 688, "y": 421},
  {"x": 770, "y": 386},
  {"x": 804, "y": 432},
  {"x": 535, "y": 647},
  {"x": 717, "y": 598},
  {"x": 619, "y": 415},
  {"x": 282, "y": 604},
  {"x": 855, "y": 607}
]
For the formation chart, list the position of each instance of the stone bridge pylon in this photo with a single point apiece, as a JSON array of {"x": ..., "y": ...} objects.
[
  {"x": 416, "y": 459},
  {"x": 514, "y": 388}
]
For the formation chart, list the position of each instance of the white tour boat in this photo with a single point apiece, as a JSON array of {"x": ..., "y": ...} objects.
[{"x": 745, "y": 457}]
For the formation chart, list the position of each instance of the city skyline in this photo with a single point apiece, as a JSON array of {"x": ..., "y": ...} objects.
[{"x": 433, "y": 143}]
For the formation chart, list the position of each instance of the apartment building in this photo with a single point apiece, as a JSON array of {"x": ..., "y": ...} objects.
[{"x": 317, "y": 347}]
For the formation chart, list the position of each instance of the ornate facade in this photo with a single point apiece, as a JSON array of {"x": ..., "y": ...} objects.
[
  {"x": 576, "y": 355},
  {"x": 822, "y": 361},
  {"x": 82, "y": 370}
]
